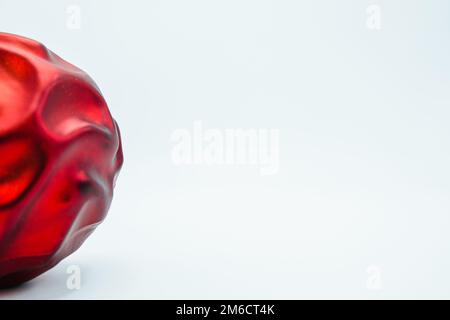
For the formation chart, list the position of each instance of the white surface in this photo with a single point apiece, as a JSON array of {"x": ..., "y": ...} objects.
[{"x": 364, "y": 154}]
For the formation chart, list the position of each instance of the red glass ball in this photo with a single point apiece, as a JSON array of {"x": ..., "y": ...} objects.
[{"x": 60, "y": 153}]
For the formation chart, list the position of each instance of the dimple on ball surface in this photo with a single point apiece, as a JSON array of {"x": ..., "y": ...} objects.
[{"x": 60, "y": 153}]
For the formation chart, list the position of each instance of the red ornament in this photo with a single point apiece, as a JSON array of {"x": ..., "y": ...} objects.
[{"x": 60, "y": 152}]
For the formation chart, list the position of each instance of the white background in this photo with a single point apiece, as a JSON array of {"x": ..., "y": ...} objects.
[{"x": 360, "y": 206}]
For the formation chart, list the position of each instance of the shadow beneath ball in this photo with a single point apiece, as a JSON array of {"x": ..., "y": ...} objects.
[
  {"x": 14, "y": 289},
  {"x": 51, "y": 285}
]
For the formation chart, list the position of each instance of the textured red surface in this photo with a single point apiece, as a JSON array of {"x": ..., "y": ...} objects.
[{"x": 60, "y": 153}]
